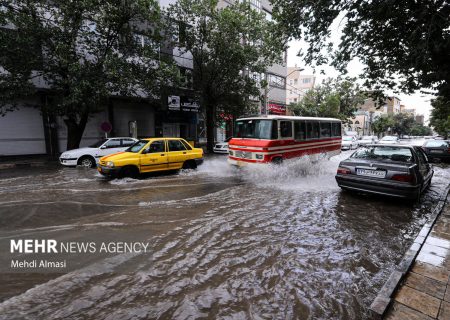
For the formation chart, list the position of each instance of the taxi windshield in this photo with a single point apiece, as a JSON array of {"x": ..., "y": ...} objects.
[{"x": 135, "y": 148}]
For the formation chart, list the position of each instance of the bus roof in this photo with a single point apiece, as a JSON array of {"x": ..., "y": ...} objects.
[{"x": 276, "y": 117}]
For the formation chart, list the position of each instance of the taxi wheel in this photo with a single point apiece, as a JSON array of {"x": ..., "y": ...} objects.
[
  {"x": 190, "y": 164},
  {"x": 87, "y": 162},
  {"x": 129, "y": 171}
]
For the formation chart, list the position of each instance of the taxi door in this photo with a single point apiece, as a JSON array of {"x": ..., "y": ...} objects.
[
  {"x": 177, "y": 154},
  {"x": 154, "y": 157}
]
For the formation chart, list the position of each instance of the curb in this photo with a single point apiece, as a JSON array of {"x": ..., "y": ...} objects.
[
  {"x": 384, "y": 298},
  {"x": 24, "y": 165}
]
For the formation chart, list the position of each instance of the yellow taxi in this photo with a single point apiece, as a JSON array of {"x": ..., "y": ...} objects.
[{"x": 150, "y": 155}]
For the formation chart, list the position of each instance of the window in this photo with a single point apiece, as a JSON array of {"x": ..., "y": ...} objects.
[
  {"x": 156, "y": 146},
  {"x": 295, "y": 99},
  {"x": 299, "y": 130},
  {"x": 113, "y": 143},
  {"x": 186, "y": 78},
  {"x": 336, "y": 129},
  {"x": 306, "y": 80},
  {"x": 384, "y": 153},
  {"x": 436, "y": 144},
  {"x": 325, "y": 129},
  {"x": 127, "y": 142},
  {"x": 276, "y": 81},
  {"x": 187, "y": 145},
  {"x": 290, "y": 82},
  {"x": 295, "y": 81},
  {"x": 135, "y": 148},
  {"x": 176, "y": 145},
  {"x": 256, "y": 5},
  {"x": 256, "y": 129},
  {"x": 286, "y": 129},
  {"x": 312, "y": 130}
]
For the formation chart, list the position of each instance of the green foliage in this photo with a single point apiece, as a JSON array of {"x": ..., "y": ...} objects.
[
  {"x": 400, "y": 124},
  {"x": 80, "y": 53},
  {"x": 337, "y": 98},
  {"x": 420, "y": 130},
  {"x": 382, "y": 124},
  {"x": 228, "y": 45},
  {"x": 403, "y": 44},
  {"x": 440, "y": 116},
  {"x": 403, "y": 123}
]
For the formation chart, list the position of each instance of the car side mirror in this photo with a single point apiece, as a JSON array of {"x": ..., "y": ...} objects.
[{"x": 145, "y": 151}]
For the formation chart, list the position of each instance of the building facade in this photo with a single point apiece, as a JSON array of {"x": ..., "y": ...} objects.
[{"x": 297, "y": 84}]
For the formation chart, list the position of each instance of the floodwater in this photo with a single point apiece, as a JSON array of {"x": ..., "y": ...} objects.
[{"x": 266, "y": 243}]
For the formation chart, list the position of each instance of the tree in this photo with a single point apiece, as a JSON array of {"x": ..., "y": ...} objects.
[
  {"x": 336, "y": 98},
  {"x": 82, "y": 53},
  {"x": 440, "y": 116},
  {"x": 230, "y": 47},
  {"x": 382, "y": 124},
  {"x": 403, "y": 123},
  {"x": 403, "y": 44},
  {"x": 420, "y": 130}
]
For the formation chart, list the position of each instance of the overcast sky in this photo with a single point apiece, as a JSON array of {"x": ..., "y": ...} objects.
[{"x": 418, "y": 101}]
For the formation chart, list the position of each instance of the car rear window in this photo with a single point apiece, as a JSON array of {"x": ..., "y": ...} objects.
[
  {"x": 436, "y": 144},
  {"x": 384, "y": 153}
]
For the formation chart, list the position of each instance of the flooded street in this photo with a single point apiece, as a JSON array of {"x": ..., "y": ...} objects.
[{"x": 254, "y": 243}]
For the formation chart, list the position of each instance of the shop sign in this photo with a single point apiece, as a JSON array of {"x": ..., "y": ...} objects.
[
  {"x": 189, "y": 104},
  {"x": 276, "y": 108},
  {"x": 174, "y": 103}
]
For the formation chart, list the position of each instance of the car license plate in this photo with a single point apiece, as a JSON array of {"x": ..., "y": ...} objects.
[
  {"x": 371, "y": 173},
  {"x": 437, "y": 151}
]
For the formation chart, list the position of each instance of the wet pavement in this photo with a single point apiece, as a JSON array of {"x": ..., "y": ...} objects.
[
  {"x": 265, "y": 243},
  {"x": 425, "y": 293}
]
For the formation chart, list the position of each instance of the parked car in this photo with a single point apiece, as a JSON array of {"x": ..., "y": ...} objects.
[
  {"x": 222, "y": 147},
  {"x": 349, "y": 143},
  {"x": 88, "y": 157},
  {"x": 437, "y": 149},
  {"x": 389, "y": 140},
  {"x": 392, "y": 170},
  {"x": 365, "y": 140},
  {"x": 149, "y": 155}
]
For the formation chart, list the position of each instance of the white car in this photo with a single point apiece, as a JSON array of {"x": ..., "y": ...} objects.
[
  {"x": 349, "y": 143},
  {"x": 221, "y": 147},
  {"x": 389, "y": 140},
  {"x": 89, "y": 156},
  {"x": 365, "y": 140}
]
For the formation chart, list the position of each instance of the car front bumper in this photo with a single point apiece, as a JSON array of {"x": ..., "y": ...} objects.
[
  {"x": 70, "y": 162},
  {"x": 220, "y": 150},
  {"x": 108, "y": 172},
  {"x": 382, "y": 187}
]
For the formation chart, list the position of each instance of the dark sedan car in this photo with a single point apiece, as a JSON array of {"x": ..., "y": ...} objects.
[
  {"x": 392, "y": 170},
  {"x": 437, "y": 149}
]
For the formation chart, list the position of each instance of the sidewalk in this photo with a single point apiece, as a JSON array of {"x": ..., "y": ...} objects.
[
  {"x": 8, "y": 162},
  {"x": 419, "y": 288}
]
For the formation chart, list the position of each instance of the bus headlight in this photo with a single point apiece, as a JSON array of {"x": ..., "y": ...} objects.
[
  {"x": 259, "y": 156},
  {"x": 110, "y": 164},
  {"x": 230, "y": 153}
]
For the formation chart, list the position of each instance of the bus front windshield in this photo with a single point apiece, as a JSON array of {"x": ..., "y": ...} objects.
[{"x": 256, "y": 129}]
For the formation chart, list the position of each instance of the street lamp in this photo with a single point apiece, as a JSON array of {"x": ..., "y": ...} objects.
[{"x": 266, "y": 89}]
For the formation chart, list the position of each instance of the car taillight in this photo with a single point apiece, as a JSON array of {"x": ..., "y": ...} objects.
[
  {"x": 403, "y": 178},
  {"x": 343, "y": 170}
]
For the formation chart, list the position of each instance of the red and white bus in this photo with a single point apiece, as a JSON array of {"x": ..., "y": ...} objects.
[{"x": 272, "y": 139}]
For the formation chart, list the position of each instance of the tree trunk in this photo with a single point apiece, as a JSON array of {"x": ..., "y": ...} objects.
[
  {"x": 75, "y": 131},
  {"x": 210, "y": 125}
]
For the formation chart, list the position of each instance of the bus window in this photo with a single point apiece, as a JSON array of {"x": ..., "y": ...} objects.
[
  {"x": 299, "y": 130},
  {"x": 274, "y": 135},
  {"x": 286, "y": 129},
  {"x": 336, "y": 129},
  {"x": 312, "y": 130},
  {"x": 325, "y": 129}
]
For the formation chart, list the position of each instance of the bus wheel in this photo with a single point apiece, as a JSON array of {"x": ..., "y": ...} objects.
[{"x": 277, "y": 160}]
